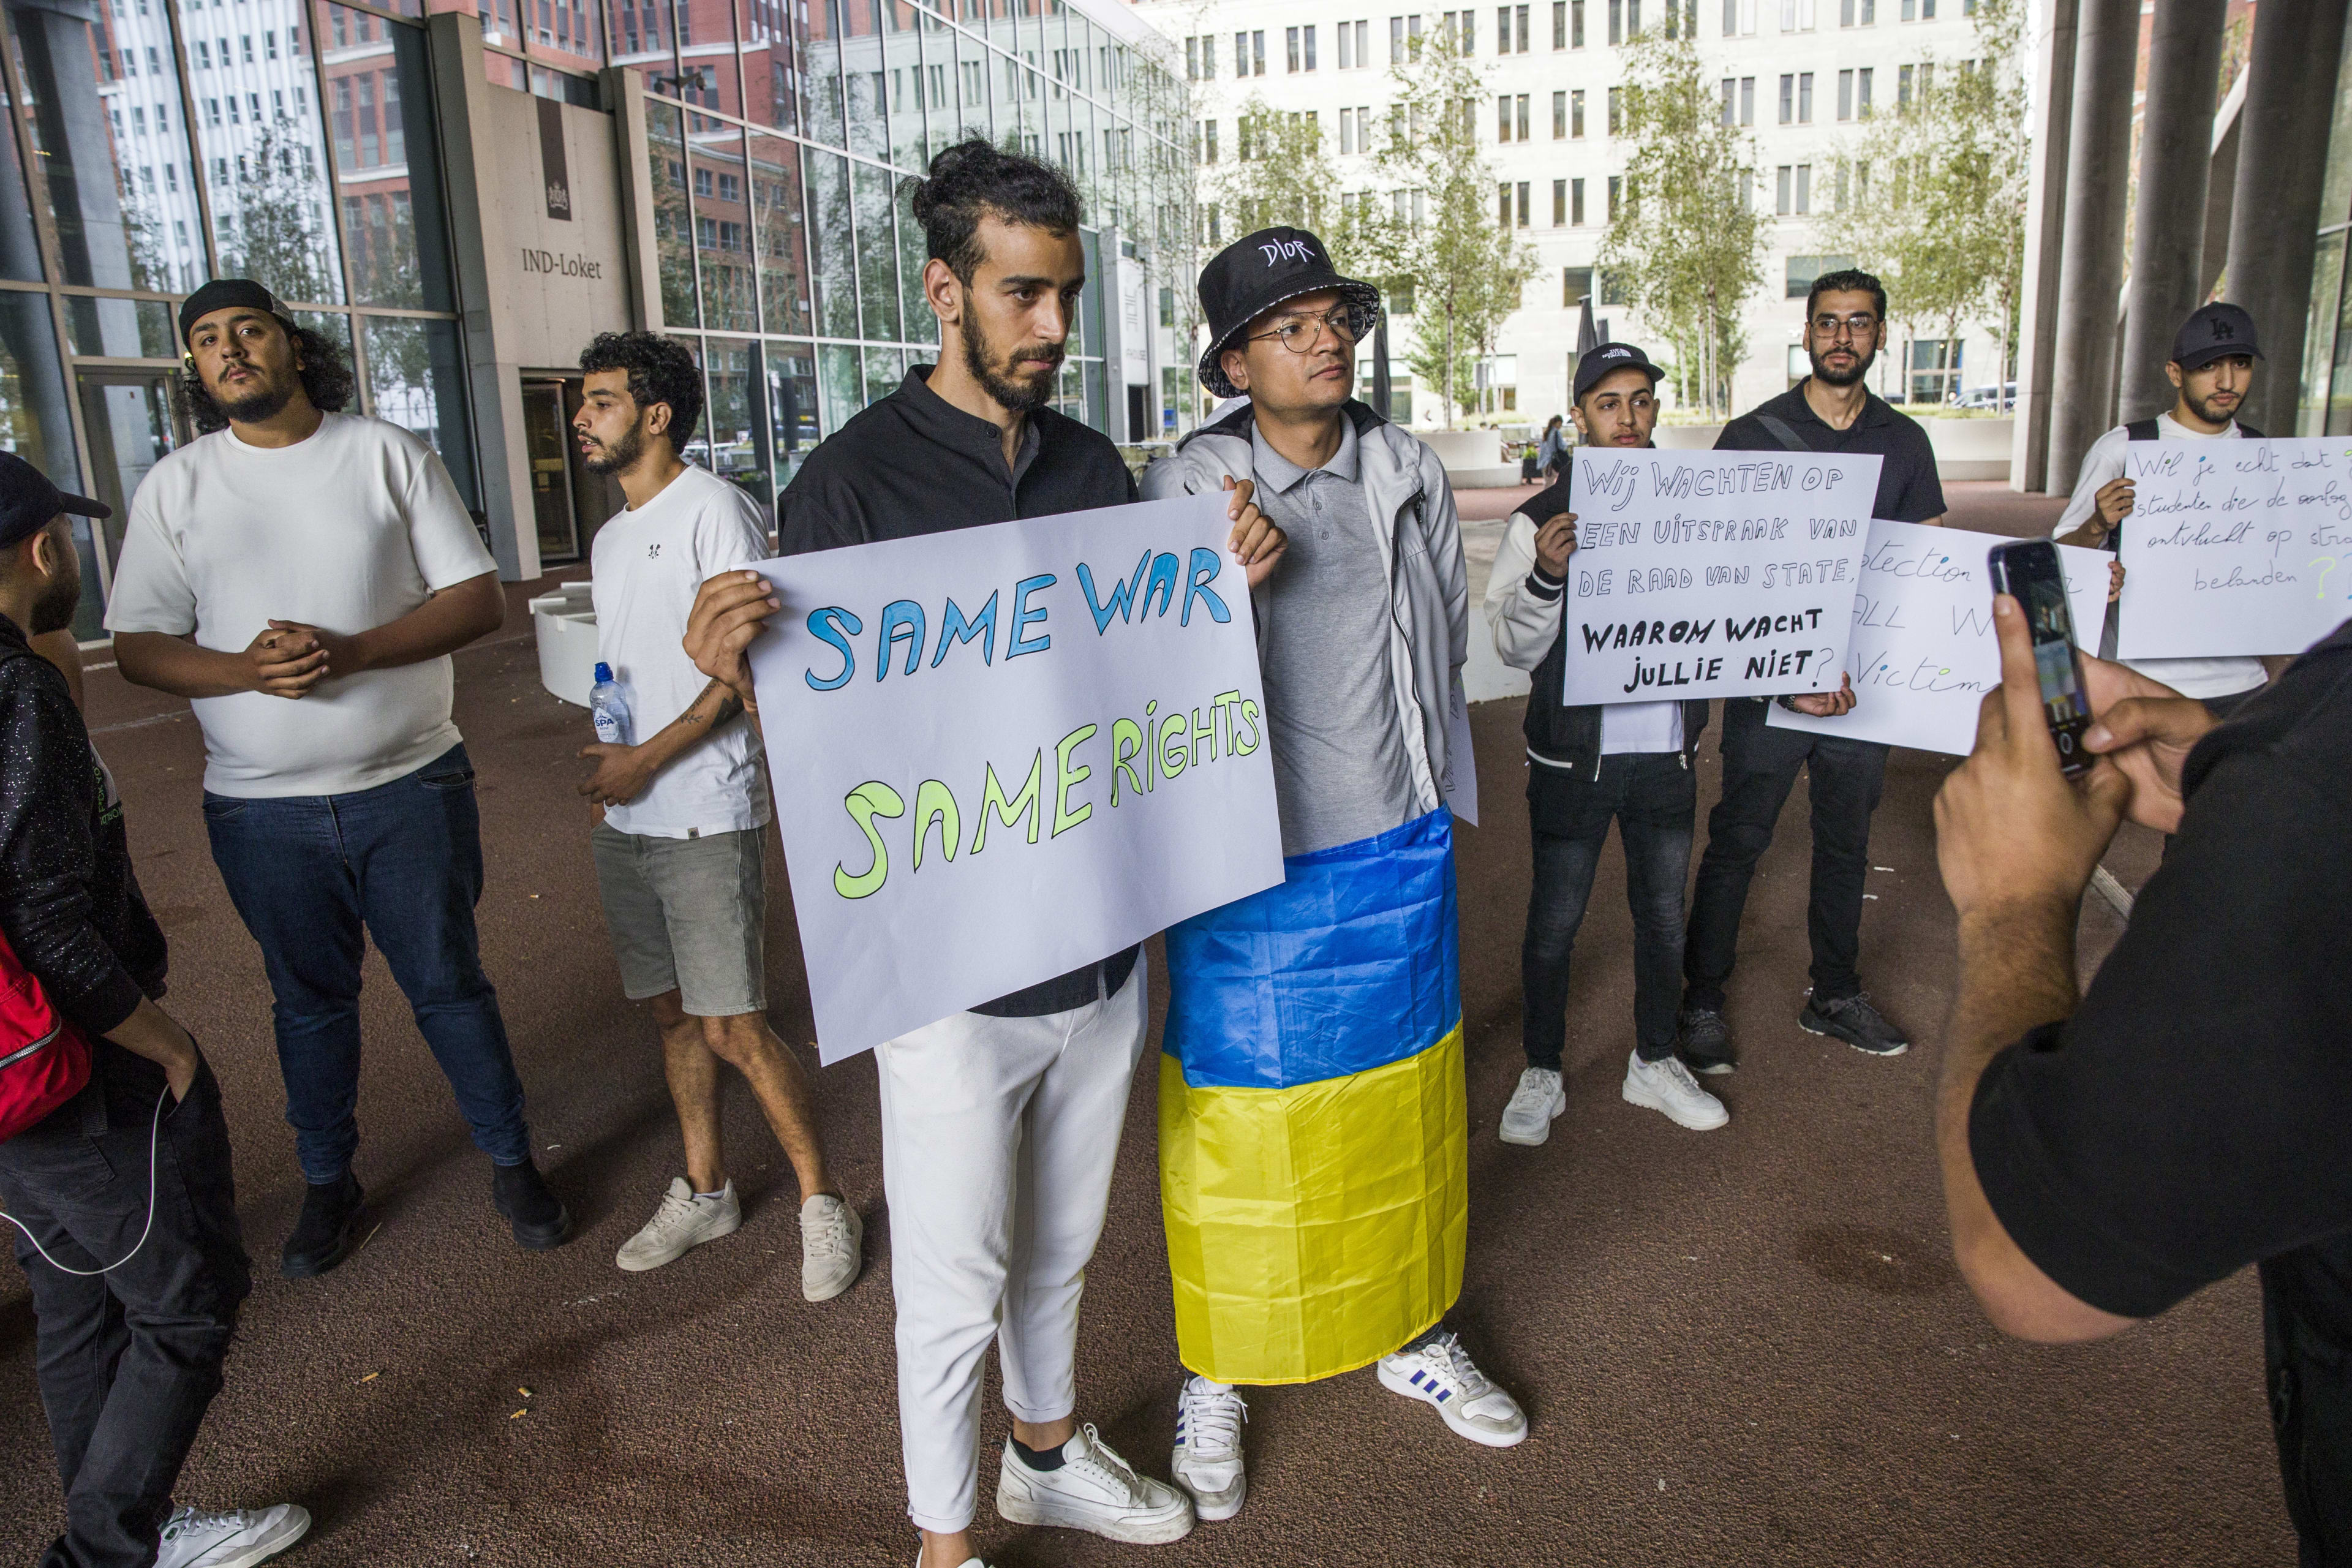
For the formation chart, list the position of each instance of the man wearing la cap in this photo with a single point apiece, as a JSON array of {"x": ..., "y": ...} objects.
[
  {"x": 1312, "y": 1125},
  {"x": 1629, "y": 761},
  {"x": 2213, "y": 364},
  {"x": 302, "y": 576},
  {"x": 123, "y": 1197}
]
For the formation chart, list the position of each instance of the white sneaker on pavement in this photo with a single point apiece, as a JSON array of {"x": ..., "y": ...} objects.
[
  {"x": 1535, "y": 1105},
  {"x": 237, "y": 1538},
  {"x": 684, "y": 1222},
  {"x": 1441, "y": 1372},
  {"x": 1207, "y": 1462},
  {"x": 832, "y": 1242},
  {"x": 1094, "y": 1490},
  {"x": 968, "y": 1562},
  {"x": 1668, "y": 1088}
]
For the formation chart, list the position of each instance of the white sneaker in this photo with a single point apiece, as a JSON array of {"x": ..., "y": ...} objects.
[
  {"x": 1535, "y": 1105},
  {"x": 1441, "y": 1372},
  {"x": 684, "y": 1222},
  {"x": 237, "y": 1538},
  {"x": 1207, "y": 1462},
  {"x": 832, "y": 1243},
  {"x": 1094, "y": 1490},
  {"x": 1667, "y": 1087}
]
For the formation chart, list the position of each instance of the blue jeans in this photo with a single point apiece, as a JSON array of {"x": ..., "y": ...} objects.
[
  {"x": 402, "y": 861},
  {"x": 1653, "y": 796}
]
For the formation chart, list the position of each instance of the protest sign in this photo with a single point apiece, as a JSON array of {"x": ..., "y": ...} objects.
[
  {"x": 2235, "y": 547},
  {"x": 1712, "y": 573},
  {"x": 1922, "y": 652},
  {"x": 1003, "y": 753}
]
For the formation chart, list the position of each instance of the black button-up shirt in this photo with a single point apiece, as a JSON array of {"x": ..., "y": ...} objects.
[
  {"x": 913, "y": 464},
  {"x": 1908, "y": 491}
]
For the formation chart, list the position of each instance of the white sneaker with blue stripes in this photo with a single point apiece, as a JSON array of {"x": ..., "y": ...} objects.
[
  {"x": 1439, "y": 1371},
  {"x": 1207, "y": 1462}
]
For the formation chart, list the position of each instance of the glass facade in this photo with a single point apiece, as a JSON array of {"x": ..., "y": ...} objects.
[{"x": 2327, "y": 402}]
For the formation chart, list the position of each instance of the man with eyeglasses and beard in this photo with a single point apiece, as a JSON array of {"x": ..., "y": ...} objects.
[
  {"x": 1829, "y": 411},
  {"x": 1000, "y": 1125}
]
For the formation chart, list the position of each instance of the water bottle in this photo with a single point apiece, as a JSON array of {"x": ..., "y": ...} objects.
[{"x": 609, "y": 708}]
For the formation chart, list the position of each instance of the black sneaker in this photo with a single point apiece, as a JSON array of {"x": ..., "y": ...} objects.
[
  {"x": 1705, "y": 1042},
  {"x": 1853, "y": 1020},
  {"x": 521, "y": 1194},
  {"x": 327, "y": 1229}
]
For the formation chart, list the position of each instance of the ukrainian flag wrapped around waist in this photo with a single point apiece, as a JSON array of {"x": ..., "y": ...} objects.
[{"x": 1313, "y": 1156}]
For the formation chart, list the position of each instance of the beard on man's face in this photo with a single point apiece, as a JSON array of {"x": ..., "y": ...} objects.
[
  {"x": 2215, "y": 408},
  {"x": 265, "y": 401},
  {"x": 1019, "y": 393},
  {"x": 621, "y": 454},
  {"x": 1844, "y": 375},
  {"x": 54, "y": 610}
]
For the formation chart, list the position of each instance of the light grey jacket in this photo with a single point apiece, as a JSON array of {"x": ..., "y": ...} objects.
[{"x": 1429, "y": 587}]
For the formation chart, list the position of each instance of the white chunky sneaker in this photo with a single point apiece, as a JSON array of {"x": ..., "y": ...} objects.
[
  {"x": 237, "y": 1538},
  {"x": 684, "y": 1222},
  {"x": 832, "y": 1242},
  {"x": 1094, "y": 1490},
  {"x": 1441, "y": 1372},
  {"x": 1667, "y": 1087},
  {"x": 1535, "y": 1105},
  {"x": 1208, "y": 1460}
]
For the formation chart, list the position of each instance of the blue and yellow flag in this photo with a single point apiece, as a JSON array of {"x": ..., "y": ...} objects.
[{"x": 1313, "y": 1156}]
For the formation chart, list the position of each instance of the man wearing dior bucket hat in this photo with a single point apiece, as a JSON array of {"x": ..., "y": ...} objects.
[{"x": 1312, "y": 1123}]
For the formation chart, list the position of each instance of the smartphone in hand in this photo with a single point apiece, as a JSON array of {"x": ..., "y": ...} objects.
[{"x": 2029, "y": 570}]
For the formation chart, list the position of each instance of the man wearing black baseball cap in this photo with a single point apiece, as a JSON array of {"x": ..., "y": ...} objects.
[
  {"x": 2212, "y": 366},
  {"x": 1626, "y": 762},
  {"x": 126, "y": 1215}
]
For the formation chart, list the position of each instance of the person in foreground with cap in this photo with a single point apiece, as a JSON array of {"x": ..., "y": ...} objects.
[
  {"x": 1831, "y": 410},
  {"x": 1629, "y": 761},
  {"x": 2213, "y": 364},
  {"x": 1312, "y": 1124},
  {"x": 121, "y": 1197},
  {"x": 302, "y": 576}
]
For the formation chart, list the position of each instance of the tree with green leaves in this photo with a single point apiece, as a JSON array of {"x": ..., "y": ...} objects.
[
  {"x": 1932, "y": 197},
  {"x": 1686, "y": 245},
  {"x": 283, "y": 235}
]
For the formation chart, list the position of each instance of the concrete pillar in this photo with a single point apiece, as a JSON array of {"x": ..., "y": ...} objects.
[
  {"x": 2176, "y": 145},
  {"x": 2290, "y": 94},
  {"x": 2091, "y": 251},
  {"x": 2045, "y": 211}
]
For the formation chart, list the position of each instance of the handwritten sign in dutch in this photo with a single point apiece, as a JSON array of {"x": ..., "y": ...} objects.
[
  {"x": 1923, "y": 653},
  {"x": 1000, "y": 753},
  {"x": 2235, "y": 547},
  {"x": 1713, "y": 574}
]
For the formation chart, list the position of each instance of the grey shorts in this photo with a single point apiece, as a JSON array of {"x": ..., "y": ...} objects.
[{"x": 687, "y": 915}]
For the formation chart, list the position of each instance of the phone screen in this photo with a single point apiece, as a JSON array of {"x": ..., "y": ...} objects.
[{"x": 2029, "y": 570}]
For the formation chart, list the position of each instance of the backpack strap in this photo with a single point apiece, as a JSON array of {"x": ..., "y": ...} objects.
[
  {"x": 2249, "y": 433},
  {"x": 2140, "y": 430},
  {"x": 1783, "y": 432}
]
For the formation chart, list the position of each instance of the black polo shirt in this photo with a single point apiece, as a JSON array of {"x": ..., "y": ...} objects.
[
  {"x": 914, "y": 463},
  {"x": 1908, "y": 491}
]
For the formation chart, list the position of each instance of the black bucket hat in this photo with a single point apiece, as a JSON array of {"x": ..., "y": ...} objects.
[{"x": 1259, "y": 271}]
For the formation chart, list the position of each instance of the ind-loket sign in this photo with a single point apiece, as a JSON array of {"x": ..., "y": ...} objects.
[{"x": 573, "y": 265}]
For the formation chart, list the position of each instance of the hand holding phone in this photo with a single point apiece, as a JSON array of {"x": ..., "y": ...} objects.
[{"x": 2029, "y": 570}]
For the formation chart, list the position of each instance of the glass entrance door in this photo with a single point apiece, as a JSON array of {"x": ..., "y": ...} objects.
[
  {"x": 129, "y": 418},
  {"x": 547, "y": 442}
]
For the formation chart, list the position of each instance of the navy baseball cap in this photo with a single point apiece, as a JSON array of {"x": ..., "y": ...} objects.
[
  {"x": 28, "y": 503},
  {"x": 1259, "y": 271},
  {"x": 2211, "y": 332},
  {"x": 1607, "y": 359}
]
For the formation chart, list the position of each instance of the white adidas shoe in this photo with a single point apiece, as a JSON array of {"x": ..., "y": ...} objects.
[
  {"x": 1667, "y": 1087},
  {"x": 832, "y": 1247},
  {"x": 1094, "y": 1491},
  {"x": 237, "y": 1538},
  {"x": 1441, "y": 1374},
  {"x": 1207, "y": 1462},
  {"x": 1535, "y": 1105},
  {"x": 684, "y": 1222}
]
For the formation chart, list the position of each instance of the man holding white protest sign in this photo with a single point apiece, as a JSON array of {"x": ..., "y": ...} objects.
[
  {"x": 1587, "y": 765},
  {"x": 1830, "y": 411},
  {"x": 1001, "y": 1123},
  {"x": 1311, "y": 1081}
]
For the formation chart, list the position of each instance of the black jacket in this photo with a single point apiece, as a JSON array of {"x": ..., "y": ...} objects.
[{"x": 70, "y": 902}]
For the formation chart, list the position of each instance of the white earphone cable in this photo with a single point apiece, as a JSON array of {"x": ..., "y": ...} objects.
[{"x": 153, "y": 1133}]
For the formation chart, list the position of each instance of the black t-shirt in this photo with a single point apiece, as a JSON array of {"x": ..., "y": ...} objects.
[
  {"x": 913, "y": 464},
  {"x": 1908, "y": 491},
  {"x": 2192, "y": 1116}
]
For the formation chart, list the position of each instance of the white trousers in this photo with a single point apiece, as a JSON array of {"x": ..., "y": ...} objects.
[{"x": 998, "y": 1139}]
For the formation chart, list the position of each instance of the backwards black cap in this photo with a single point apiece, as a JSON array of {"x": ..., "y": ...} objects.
[
  {"x": 224, "y": 293},
  {"x": 28, "y": 503}
]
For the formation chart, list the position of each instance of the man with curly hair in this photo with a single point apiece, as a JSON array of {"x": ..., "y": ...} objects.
[{"x": 302, "y": 576}]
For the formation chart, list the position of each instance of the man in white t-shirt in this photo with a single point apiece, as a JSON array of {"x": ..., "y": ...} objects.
[
  {"x": 2213, "y": 363},
  {"x": 682, "y": 809},
  {"x": 302, "y": 576}
]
